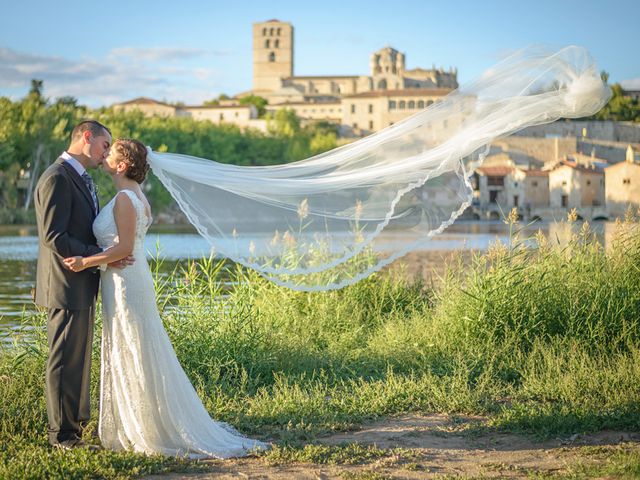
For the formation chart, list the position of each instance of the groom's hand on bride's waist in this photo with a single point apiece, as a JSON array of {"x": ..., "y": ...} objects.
[{"x": 123, "y": 263}]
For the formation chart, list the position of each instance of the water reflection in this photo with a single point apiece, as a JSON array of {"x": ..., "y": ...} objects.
[{"x": 19, "y": 248}]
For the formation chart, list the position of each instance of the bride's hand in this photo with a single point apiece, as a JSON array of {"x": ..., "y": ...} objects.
[{"x": 74, "y": 264}]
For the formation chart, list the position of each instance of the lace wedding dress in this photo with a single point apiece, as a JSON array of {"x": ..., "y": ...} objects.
[{"x": 147, "y": 403}]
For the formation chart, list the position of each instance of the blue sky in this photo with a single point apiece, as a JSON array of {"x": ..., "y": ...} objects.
[{"x": 104, "y": 52}]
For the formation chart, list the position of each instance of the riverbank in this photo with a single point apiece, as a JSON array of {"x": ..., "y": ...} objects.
[{"x": 541, "y": 342}]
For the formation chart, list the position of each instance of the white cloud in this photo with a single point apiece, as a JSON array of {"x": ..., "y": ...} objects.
[
  {"x": 125, "y": 73},
  {"x": 631, "y": 84},
  {"x": 156, "y": 54}
]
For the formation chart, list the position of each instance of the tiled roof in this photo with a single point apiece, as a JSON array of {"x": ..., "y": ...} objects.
[
  {"x": 214, "y": 107},
  {"x": 407, "y": 92},
  {"x": 498, "y": 171},
  {"x": 596, "y": 170},
  {"x": 617, "y": 165},
  {"x": 145, "y": 101},
  {"x": 320, "y": 77},
  {"x": 306, "y": 104},
  {"x": 536, "y": 173}
]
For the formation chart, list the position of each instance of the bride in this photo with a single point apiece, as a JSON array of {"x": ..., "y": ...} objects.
[{"x": 147, "y": 403}]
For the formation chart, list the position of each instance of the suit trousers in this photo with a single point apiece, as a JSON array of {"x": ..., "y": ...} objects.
[{"x": 68, "y": 373}]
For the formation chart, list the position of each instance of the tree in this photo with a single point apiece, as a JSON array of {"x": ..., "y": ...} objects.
[
  {"x": 620, "y": 107},
  {"x": 259, "y": 102},
  {"x": 216, "y": 101},
  {"x": 283, "y": 123}
]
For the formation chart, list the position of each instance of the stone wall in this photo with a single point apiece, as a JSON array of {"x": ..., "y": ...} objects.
[{"x": 627, "y": 132}]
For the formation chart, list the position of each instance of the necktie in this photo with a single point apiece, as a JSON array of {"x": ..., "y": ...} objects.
[{"x": 88, "y": 181}]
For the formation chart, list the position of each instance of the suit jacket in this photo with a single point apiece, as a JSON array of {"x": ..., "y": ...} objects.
[{"x": 64, "y": 215}]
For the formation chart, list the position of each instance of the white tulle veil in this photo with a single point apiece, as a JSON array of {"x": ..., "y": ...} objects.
[{"x": 333, "y": 219}]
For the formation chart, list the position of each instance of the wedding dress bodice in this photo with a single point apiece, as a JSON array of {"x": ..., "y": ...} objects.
[{"x": 106, "y": 232}]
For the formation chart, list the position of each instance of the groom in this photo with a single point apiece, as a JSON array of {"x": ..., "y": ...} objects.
[{"x": 66, "y": 205}]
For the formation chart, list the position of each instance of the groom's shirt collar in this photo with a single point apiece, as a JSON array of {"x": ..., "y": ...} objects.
[{"x": 77, "y": 166}]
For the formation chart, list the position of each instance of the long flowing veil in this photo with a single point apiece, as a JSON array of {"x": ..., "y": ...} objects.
[{"x": 333, "y": 219}]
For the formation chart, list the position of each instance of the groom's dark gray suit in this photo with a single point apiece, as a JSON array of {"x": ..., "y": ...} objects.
[{"x": 65, "y": 213}]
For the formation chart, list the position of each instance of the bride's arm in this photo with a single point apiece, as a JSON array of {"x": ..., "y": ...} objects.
[{"x": 124, "y": 215}]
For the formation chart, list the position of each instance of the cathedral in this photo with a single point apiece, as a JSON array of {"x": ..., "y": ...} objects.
[
  {"x": 360, "y": 104},
  {"x": 274, "y": 79}
]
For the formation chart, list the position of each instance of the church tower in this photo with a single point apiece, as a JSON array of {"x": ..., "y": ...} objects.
[{"x": 272, "y": 54}]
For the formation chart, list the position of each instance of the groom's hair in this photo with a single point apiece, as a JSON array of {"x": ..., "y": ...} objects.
[{"x": 93, "y": 126}]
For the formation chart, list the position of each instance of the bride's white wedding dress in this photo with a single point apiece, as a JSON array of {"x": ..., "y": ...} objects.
[{"x": 147, "y": 403}]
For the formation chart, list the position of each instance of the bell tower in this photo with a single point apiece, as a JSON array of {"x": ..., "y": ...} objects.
[{"x": 272, "y": 54}]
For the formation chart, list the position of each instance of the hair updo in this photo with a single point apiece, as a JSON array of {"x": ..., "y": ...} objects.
[{"x": 134, "y": 154}]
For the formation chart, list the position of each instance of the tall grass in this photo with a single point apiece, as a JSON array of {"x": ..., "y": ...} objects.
[{"x": 539, "y": 334}]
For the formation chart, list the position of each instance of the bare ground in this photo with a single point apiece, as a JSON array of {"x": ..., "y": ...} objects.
[{"x": 418, "y": 446}]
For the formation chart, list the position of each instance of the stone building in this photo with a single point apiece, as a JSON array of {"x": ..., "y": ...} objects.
[
  {"x": 272, "y": 55},
  {"x": 576, "y": 185},
  {"x": 244, "y": 116},
  {"x": 622, "y": 184},
  {"x": 360, "y": 104},
  {"x": 370, "y": 102},
  {"x": 367, "y": 112},
  {"x": 503, "y": 186}
]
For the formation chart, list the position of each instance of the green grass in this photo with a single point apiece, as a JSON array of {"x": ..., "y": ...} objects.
[{"x": 543, "y": 339}]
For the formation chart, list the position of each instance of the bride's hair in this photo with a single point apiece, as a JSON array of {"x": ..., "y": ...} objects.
[{"x": 134, "y": 154}]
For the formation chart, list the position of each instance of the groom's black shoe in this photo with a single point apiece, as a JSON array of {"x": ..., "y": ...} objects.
[{"x": 74, "y": 443}]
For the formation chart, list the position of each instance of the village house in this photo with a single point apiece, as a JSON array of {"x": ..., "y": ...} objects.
[{"x": 622, "y": 186}]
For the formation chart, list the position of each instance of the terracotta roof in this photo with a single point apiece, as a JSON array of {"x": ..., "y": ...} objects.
[
  {"x": 580, "y": 167},
  {"x": 319, "y": 77},
  {"x": 407, "y": 92},
  {"x": 305, "y": 104},
  {"x": 617, "y": 165},
  {"x": 498, "y": 171},
  {"x": 216, "y": 107},
  {"x": 145, "y": 101},
  {"x": 536, "y": 173}
]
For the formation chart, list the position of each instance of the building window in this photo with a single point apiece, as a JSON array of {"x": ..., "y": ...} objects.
[
  {"x": 271, "y": 32},
  {"x": 565, "y": 200},
  {"x": 264, "y": 32},
  {"x": 353, "y": 108},
  {"x": 272, "y": 57},
  {"x": 276, "y": 43},
  {"x": 266, "y": 43},
  {"x": 430, "y": 102},
  {"x": 278, "y": 31},
  {"x": 564, "y": 183},
  {"x": 401, "y": 105},
  {"x": 355, "y": 125},
  {"x": 493, "y": 196},
  {"x": 588, "y": 182},
  {"x": 392, "y": 104},
  {"x": 370, "y": 108},
  {"x": 515, "y": 184},
  {"x": 535, "y": 184},
  {"x": 370, "y": 124},
  {"x": 515, "y": 200},
  {"x": 382, "y": 84},
  {"x": 412, "y": 104},
  {"x": 495, "y": 181},
  {"x": 420, "y": 103},
  {"x": 626, "y": 181}
]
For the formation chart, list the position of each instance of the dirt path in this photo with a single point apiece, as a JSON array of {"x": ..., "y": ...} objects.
[{"x": 430, "y": 446}]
